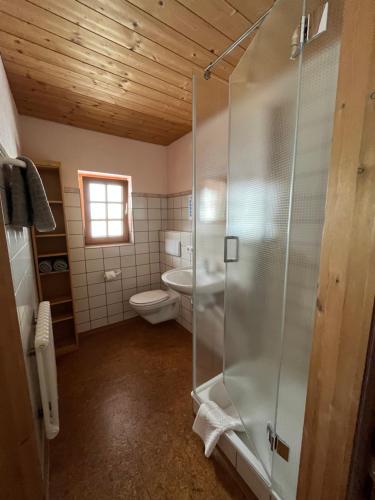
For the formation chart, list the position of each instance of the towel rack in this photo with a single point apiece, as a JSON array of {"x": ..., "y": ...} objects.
[{"x": 12, "y": 161}]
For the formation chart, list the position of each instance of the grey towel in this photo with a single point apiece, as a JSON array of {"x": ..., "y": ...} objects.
[
  {"x": 45, "y": 266},
  {"x": 60, "y": 265},
  {"x": 29, "y": 205}
]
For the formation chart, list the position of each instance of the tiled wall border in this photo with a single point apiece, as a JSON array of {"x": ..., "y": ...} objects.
[{"x": 181, "y": 193}]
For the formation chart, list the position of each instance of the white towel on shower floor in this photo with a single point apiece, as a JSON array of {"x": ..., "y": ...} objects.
[{"x": 211, "y": 422}]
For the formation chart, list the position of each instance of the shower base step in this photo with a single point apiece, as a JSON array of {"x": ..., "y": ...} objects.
[{"x": 234, "y": 445}]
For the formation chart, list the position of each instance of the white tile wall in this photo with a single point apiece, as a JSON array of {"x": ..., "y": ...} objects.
[
  {"x": 114, "y": 297},
  {"x": 78, "y": 267},
  {"x": 177, "y": 203},
  {"x": 98, "y": 303},
  {"x": 75, "y": 241},
  {"x": 139, "y": 202},
  {"x": 74, "y": 226},
  {"x": 111, "y": 252},
  {"x": 82, "y": 305},
  {"x": 77, "y": 254},
  {"x": 142, "y": 248},
  {"x": 94, "y": 265},
  {"x": 92, "y": 253},
  {"x": 176, "y": 212},
  {"x": 79, "y": 279},
  {"x": 83, "y": 327},
  {"x": 127, "y": 250},
  {"x": 111, "y": 262},
  {"x": 72, "y": 200}
]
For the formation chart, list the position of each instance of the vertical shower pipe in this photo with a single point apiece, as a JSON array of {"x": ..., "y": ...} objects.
[{"x": 194, "y": 201}]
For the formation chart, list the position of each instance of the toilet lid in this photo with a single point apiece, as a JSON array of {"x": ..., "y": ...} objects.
[{"x": 151, "y": 297}]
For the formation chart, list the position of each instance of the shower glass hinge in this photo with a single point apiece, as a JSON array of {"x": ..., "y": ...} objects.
[
  {"x": 277, "y": 444},
  {"x": 311, "y": 26}
]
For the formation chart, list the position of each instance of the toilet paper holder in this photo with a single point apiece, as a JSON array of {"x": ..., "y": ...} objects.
[{"x": 112, "y": 274}]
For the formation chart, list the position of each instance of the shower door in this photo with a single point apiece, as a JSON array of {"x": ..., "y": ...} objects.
[
  {"x": 264, "y": 90},
  {"x": 210, "y": 185}
]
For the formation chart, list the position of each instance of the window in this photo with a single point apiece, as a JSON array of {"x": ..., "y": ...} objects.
[{"x": 104, "y": 200}]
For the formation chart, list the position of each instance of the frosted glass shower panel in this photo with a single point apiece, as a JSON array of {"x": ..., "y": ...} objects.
[
  {"x": 314, "y": 136},
  {"x": 263, "y": 109},
  {"x": 210, "y": 171}
]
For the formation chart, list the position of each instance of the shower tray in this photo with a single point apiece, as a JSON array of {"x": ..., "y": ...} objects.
[{"x": 235, "y": 445}]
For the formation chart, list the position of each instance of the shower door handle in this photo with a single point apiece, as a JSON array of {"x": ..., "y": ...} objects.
[{"x": 231, "y": 246}]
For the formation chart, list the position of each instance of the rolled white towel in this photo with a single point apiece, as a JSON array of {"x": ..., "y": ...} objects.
[
  {"x": 112, "y": 274},
  {"x": 45, "y": 266},
  {"x": 211, "y": 422},
  {"x": 60, "y": 265}
]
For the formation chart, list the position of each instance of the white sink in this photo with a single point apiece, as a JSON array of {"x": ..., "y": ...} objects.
[
  {"x": 210, "y": 283},
  {"x": 179, "y": 279}
]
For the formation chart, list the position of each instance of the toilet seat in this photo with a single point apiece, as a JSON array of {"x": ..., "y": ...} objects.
[{"x": 149, "y": 298}]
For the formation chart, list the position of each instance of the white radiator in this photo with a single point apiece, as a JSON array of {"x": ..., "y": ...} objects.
[{"x": 46, "y": 363}]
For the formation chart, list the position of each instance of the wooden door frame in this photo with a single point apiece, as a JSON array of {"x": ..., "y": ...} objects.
[
  {"x": 20, "y": 468},
  {"x": 347, "y": 269}
]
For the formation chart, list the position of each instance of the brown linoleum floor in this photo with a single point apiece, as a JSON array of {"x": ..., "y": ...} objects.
[{"x": 126, "y": 417}]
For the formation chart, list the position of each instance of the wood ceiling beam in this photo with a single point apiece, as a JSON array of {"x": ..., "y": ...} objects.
[
  {"x": 71, "y": 32},
  {"x": 40, "y": 37},
  {"x": 178, "y": 17},
  {"x": 47, "y": 73}
]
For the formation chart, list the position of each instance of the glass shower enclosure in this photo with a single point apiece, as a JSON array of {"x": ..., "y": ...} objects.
[{"x": 261, "y": 156}]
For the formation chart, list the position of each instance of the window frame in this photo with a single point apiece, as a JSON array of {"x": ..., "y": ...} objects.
[{"x": 84, "y": 180}]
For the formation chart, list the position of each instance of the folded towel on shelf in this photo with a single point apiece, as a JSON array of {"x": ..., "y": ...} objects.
[
  {"x": 60, "y": 265},
  {"x": 29, "y": 205},
  {"x": 45, "y": 266},
  {"x": 211, "y": 422}
]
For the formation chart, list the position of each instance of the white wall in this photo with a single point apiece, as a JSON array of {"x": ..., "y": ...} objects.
[
  {"x": 9, "y": 137},
  {"x": 19, "y": 250},
  {"x": 180, "y": 165},
  {"x": 80, "y": 149},
  {"x": 154, "y": 169}
]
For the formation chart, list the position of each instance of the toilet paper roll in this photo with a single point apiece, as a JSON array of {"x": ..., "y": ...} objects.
[{"x": 112, "y": 274}]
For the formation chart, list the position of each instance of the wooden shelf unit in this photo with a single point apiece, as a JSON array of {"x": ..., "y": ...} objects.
[
  {"x": 53, "y": 254},
  {"x": 57, "y": 235},
  {"x": 55, "y": 286},
  {"x": 54, "y": 272}
]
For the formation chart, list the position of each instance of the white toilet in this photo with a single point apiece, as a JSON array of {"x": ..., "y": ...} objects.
[{"x": 156, "y": 306}]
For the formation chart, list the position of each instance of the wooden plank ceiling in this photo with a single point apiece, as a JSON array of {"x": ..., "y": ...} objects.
[{"x": 122, "y": 67}]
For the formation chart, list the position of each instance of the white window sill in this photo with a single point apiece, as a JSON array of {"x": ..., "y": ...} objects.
[{"x": 106, "y": 245}]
